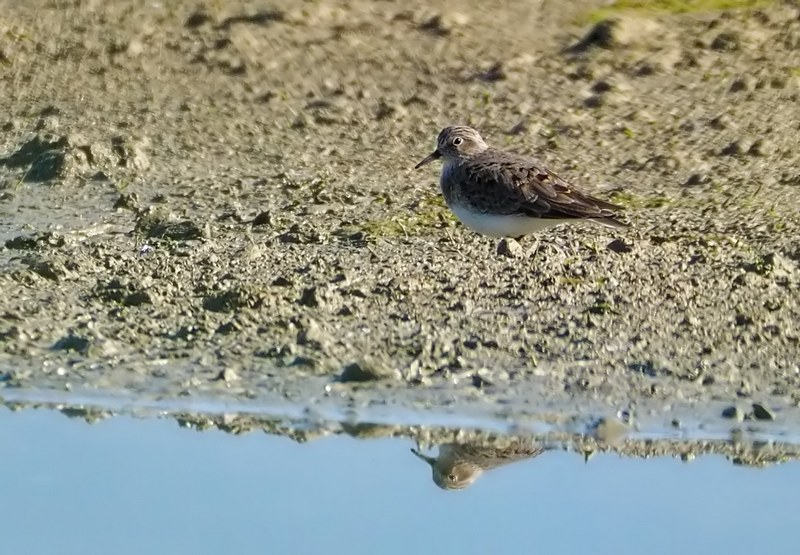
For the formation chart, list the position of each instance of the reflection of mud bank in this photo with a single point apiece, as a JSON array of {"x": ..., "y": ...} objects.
[{"x": 461, "y": 455}]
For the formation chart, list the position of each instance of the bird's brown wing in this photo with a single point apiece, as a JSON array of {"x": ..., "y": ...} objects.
[
  {"x": 511, "y": 184},
  {"x": 489, "y": 456}
]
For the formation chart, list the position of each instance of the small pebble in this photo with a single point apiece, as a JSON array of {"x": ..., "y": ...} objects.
[
  {"x": 609, "y": 430},
  {"x": 726, "y": 42},
  {"x": 227, "y": 375},
  {"x": 760, "y": 412},
  {"x": 734, "y": 413},
  {"x": 510, "y": 248},
  {"x": 366, "y": 370},
  {"x": 619, "y": 246},
  {"x": 744, "y": 83}
]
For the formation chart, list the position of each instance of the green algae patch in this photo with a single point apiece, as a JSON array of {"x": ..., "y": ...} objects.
[
  {"x": 631, "y": 201},
  {"x": 417, "y": 219}
]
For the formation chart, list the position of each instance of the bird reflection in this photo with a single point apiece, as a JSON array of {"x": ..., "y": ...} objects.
[{"x": 459, "y": 465}]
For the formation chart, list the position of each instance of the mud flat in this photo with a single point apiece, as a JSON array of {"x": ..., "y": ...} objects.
[{"x": 218, "y": 203}]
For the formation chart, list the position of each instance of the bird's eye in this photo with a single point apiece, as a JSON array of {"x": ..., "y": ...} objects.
[
  {"x": 457, "y": 141},
  {"x": 452, "y": 477}
]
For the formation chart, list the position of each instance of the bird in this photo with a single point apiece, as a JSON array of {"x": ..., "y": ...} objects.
[
  {"x": 458, "y": 465},
  {"x": 503, "y": 194}
]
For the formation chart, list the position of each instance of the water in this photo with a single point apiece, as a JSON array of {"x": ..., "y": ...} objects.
[{"x": 127, "y": 485}]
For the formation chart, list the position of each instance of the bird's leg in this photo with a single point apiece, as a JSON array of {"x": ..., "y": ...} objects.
[{"x": 448, "y": 243}]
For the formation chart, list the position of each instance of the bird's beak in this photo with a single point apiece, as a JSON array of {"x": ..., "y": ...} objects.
[
  {"x": 430, "y": 460},
  {"x": 435, "y": 155}
]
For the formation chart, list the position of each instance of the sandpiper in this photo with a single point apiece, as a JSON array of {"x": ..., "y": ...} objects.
[
  {"x": 458, "y": 465},
  {"x": 502, "y": 194}
]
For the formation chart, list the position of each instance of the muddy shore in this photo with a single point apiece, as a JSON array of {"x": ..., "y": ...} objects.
[{"x": 218, "y": 201}]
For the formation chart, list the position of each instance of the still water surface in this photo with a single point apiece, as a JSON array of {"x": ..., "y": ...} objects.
[{"x": 133, "y": 486}]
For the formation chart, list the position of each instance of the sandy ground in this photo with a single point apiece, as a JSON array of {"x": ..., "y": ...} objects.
[{"x": 219, "y": 202}]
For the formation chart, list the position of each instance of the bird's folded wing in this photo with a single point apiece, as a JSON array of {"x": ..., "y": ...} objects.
[{"x": 522, "y": 186}]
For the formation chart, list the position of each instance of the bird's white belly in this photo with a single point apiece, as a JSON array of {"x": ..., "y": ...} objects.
[{"x": 500, "y": 225}]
